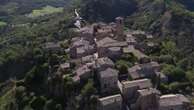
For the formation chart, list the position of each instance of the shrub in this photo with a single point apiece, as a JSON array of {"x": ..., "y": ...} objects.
[
  {"x": 173, "y": 73},
  {"x": 122, "y": 66},
  {"x": 38, "y": 103}
]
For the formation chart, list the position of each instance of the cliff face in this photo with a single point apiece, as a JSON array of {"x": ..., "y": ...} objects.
[{"x": 165, "y": 19}]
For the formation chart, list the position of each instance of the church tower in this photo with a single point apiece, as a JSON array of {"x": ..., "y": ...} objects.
[{"x": 119, "y": 26}]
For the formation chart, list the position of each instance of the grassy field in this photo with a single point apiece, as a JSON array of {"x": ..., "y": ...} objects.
[
  {"x": 2, "y": 24},
  {"x": 45, "y": 11}
]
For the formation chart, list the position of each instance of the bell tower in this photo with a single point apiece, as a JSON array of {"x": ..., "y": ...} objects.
[{"x": 119, "y": 28}]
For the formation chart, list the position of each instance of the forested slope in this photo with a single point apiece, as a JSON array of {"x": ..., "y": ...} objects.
[{"x": 24, "y": 60}]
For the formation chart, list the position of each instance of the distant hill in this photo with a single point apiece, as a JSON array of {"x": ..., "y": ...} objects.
[
  {"x": 107, "y": 10},
  {"x": 167, "y": 20},
  {"x": 29, "y": 74},
  {"x": 12, "y": 8}
]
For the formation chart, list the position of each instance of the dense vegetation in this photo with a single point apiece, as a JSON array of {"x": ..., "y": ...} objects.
[
  {"x": 24, "y": 60},
  {"x": 106, "y": 10}
]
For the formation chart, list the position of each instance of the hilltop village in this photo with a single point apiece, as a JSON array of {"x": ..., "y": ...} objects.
[{"x": 94, "y": 51}]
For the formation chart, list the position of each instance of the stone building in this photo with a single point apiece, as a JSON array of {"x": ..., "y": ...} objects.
[
  {"x": 119, "y": 28},
  {"x": 84, "y": 72},
  {"x": 77, "y": 43},
  {"x": 85, "y": 50},
  {"x": 65, "y": 67},
  {"x": 142, "y": 58},
  {"x": 148, "y": 99},
  {"x": 129, "y": 88},
  {"x": 53, "y": 47},
  {"x": 147, "y": 70},
  {"x": 114, "y": 52},
  {"x": 134, "y": 72},
  {"x": 174, "y": 102},
  {"x": 104, "y": 63},
  {"x": 115, "y": 30},
  {"x": 131, "y": 40},
  {"x": 108, "y": 79},
  {"x": 113, "y": 102},
  {"x": 152, "y": 65},
  {"x": 86, "y": 33},
  {"x": 81, "y": 51},
  {"x": 104, "y": 31},
  {"x": 87, "y": 59},
  {"x": 129, "y": 49},
  {"x": 109, "y": 47}
]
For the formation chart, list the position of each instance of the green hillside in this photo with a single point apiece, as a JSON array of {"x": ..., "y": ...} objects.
[{"x": 26, "y": 66}]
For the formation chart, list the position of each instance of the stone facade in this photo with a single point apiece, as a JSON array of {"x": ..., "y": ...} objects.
[
  {"x": 109, "y": 47},
  {"x": 104, "y": 63},
  {"x": 113, "y": 102},
  {"x": 174, "y": 102},
  {"x": 129, "y": 88},
  {"x": 148, "y": 99},
  {"x": 119, "y": 27},
  {"x": 108, "y": 79},
  {"x": 65, "y": 67},
  {"x": 84, "y": 72},
  {"x": 131, "y": 40},
  {"x": 114, "y": 52},
  {"x": 81, "y": 51},
  {"x": 147, "y": 70}
]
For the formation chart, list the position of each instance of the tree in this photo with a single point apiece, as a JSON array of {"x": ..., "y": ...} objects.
[
  {"x": 164, "y": 88},
  {"x": 166, "y": 59},
  {"x": 21, "y": 97},
  {"x": 190, "y": 76},
  {"x": 86, "y": 95},
  {"x": 20, "y": 92},
  {"x": 36, "y": 78},
  {"x": 183, "y": 64},
  {"x": 129, "y": 58},
  {"x": 88, "y": 89},
  {"x": 106, "y": 10},
  {"x": 174, "y": 87},
  {"x": 174, "y": 73},
  {"x": 168, "y": 48},
  {"x": 68, "y": 87},
  {"x": 49, "y": 105},
  {"x": 38, "y": 103},
  {"x": 58, "y": 107},
  {"x": 122, "y": 66},
  {"x": 38, "y": 55}
]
